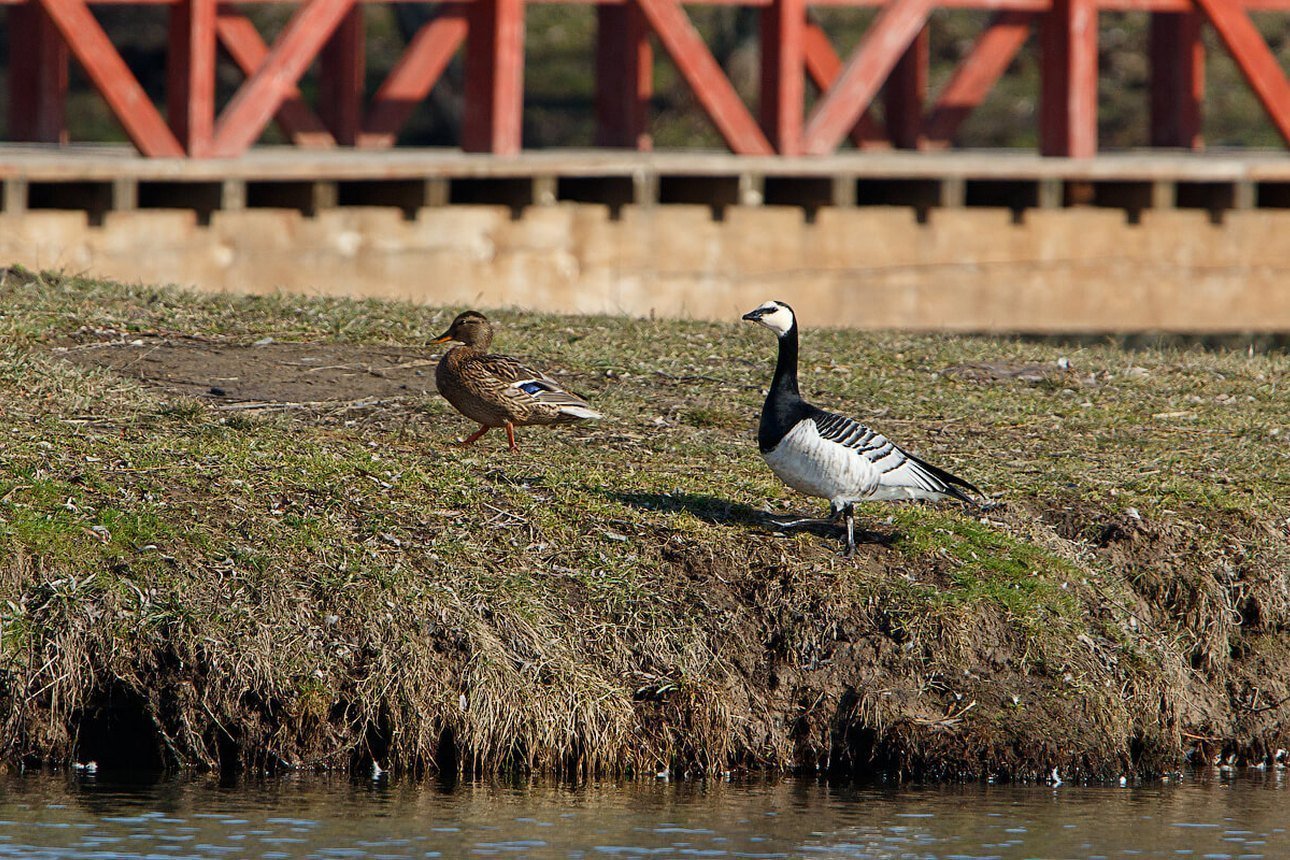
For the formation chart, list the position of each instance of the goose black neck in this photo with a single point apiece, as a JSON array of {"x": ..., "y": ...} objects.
[
  {"x": 785, "y": 381},
  {"x": 784, "y": 405}
]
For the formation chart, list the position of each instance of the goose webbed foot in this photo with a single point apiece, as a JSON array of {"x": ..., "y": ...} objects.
[{"x": 799, "y": 522}]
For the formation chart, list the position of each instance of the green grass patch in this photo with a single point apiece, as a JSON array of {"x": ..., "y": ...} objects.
[{"x": 1030, "y": 583}]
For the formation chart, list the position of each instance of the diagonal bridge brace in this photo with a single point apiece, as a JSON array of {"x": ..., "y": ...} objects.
[
  {"x": 864, "y": 73},
  {"x": 823, "y": 66},
  {"x": 414, "y": 75},
  {"x": 1253, "y": 57},
  {"x": 247, "y": 49},
  {"x": 140, "y": 118},
  {"x": 407, "y": 84},
  {"x": 973, "y": 79},
  {"x": 977, "y": 74},
  {"x": 701, "y": 71},
  {"x": 262, "y": 95}
]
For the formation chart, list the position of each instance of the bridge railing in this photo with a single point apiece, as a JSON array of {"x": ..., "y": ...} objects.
[{"x": 796, "y": 53}]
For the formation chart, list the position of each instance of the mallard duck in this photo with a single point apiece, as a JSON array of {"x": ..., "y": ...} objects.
[
  {"x": 498, "y": 390},
  {"x": 830, "y": 456}
]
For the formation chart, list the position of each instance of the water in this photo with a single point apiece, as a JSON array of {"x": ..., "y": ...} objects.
[{"x": 91, "y": 817}]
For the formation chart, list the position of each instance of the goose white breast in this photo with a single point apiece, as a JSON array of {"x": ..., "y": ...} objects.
[{"x": 820, "y": 467}]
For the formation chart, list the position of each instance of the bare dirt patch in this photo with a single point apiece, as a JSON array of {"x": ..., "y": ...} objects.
[{"x": 265, "y": 373}]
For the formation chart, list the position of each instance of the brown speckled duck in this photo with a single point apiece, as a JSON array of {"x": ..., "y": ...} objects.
[{"x": 498, "y": 390}]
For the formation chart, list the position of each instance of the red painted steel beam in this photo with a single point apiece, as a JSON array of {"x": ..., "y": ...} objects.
[
  {"x": 624, "y": 77},
  {"x": 1177, "y": 79},
  {"x": 906, "y": 93},
  {"x": 1254, "y": 59},
  {"x": 1145, "y": 6},
  {"x": 1068, "y": 99},
  {"x": 823, "y": 66},
  {"x": 341, "y": 79},
  {"x": 190, "y": 74},
  {"x": 494, "y": 107},
  {"x": 881, "y": 46},
  {"x": 296, "y": 119},
  {"x": 413, "y": 76},
  {"x": 977, "y": 74},
  {"x": 112, "y": 78},
  {"x": 783, "y": 74},
  {"x": 259, "y": 98},
  {"x": 704, "y": 75},
  {"x": 986, "y": 5},
  {"x": 989, "y": 5},
  {"x": 37, "y": 76}
]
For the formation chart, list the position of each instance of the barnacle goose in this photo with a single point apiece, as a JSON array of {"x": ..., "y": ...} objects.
[{"x": 831, "y": 456}]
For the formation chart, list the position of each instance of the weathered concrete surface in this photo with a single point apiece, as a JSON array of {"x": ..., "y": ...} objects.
[{"x": 1076, "y": 269}]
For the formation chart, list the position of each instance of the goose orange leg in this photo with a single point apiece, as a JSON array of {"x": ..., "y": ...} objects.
[
  {"x": 474, "y": 437},
  {"x": 510, "y": 437}
]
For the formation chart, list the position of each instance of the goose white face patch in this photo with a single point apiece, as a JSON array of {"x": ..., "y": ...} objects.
[{"x": 775, "y": 316}]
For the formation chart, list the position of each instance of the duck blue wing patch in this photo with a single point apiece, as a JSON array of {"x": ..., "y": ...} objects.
[{"x": 538, "y": 389}]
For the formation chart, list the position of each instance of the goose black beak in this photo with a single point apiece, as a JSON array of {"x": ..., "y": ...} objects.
[{"x": 755, "y": 314}]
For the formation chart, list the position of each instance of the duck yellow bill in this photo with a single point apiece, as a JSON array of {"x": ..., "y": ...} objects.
[{"x": 443, "y": 338}]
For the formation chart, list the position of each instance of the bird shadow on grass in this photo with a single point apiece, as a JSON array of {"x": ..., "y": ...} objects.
[{"x": 723, "y": 512}]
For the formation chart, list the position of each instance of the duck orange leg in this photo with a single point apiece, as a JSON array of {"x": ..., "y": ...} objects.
[
  {"x": 510, "y": 437},
  {"x": 474, "y": 437}
]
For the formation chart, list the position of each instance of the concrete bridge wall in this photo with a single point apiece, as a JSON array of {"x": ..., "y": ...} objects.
[
  {"x": 960, "y": 241},
  {"x": 979, "y": 269}
]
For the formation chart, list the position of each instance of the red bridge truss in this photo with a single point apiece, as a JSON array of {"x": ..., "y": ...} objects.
[{"x": 795, "y": 53}]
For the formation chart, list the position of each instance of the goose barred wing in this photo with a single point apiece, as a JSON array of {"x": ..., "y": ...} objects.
[
  {"x": 864, "y": 442},
  {"x": 895, "y": 466}
]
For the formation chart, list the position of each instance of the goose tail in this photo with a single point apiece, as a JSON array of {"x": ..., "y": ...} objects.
[{"x": 948, "y": 484}]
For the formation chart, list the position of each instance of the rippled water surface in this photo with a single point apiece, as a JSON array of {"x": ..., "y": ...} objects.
[{"x": 91, "y": 816}]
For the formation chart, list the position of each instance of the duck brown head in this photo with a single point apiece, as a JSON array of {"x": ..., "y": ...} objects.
[{"x": 471, "y": 328}]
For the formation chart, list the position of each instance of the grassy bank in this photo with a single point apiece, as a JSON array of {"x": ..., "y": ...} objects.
[{"x": 236, "y": 534}]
